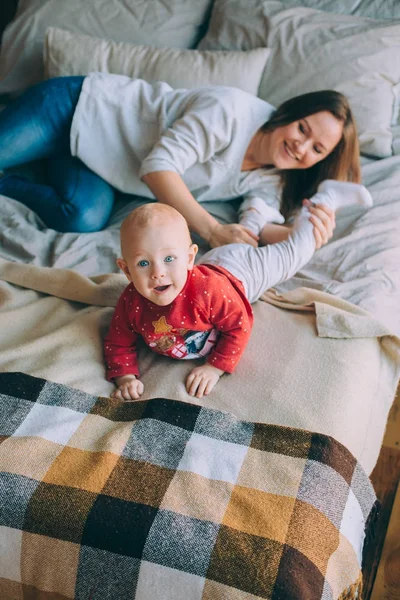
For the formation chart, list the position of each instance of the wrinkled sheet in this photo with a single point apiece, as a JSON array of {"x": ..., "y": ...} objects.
[{"x": 360, "y": 264}]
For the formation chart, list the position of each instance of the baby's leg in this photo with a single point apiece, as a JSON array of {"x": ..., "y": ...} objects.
[
  {"x": 261, "y": 268},
  {"x": 337, "y": 194},
  {"x": 253, "y": 214}
]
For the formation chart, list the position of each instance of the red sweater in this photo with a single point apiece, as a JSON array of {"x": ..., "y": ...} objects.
[{"x": 210, "y": 317}]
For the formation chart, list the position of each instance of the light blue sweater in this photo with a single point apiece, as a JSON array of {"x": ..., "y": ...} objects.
[{"x": 124, "y": 128}]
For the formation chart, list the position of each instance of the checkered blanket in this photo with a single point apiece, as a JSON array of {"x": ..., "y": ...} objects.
[{"x": 159, "y": 500}]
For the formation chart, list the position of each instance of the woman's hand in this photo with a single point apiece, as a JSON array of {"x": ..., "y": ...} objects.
[
  {"x": 231, "y": 234},
  {"x": 168, "y": 187},
  {"x": 323, "y": 220}
]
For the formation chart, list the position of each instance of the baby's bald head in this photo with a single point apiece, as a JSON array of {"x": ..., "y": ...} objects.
[
  {"x": 157, "y": 252},
  {"x": 152, "y": 217}
]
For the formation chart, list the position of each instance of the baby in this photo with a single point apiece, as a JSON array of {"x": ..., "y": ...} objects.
[
  {"x": 186, "y": 311},
  {"x": 179, "y": 309}
]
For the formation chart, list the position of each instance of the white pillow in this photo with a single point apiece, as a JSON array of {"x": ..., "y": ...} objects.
[
  {"x": 176, "y": 23},
  {"x": 67, "y": 53},
  {"x": 314, "y": 50}
]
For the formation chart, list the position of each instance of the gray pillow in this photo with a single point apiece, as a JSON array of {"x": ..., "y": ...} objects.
[
  {"x": 176, "y": 23},
  {"x": 314, "y": 50}
]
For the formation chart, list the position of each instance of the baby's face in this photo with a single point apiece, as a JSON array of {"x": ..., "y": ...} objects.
[{"x": 158, "y": 261}]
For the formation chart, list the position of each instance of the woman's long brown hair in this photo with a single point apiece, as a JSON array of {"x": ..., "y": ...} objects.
[{"x": 342, "y": 164}]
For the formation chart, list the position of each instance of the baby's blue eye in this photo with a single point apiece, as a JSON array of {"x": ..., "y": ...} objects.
[
  {"x": 143, "y": 263},
  {"x": 168, "y": 259}
]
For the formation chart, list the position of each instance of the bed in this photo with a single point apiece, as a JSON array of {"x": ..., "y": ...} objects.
[{"x": 262, "y": 490}]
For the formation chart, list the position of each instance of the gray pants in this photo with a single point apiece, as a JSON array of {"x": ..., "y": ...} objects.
[{"x": 261, "y": 268}]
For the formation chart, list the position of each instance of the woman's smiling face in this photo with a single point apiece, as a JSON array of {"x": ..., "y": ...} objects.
[{"x": 303, "y": 143}]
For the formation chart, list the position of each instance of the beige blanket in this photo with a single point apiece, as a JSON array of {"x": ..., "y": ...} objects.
[{"x": 334, "y": 372}]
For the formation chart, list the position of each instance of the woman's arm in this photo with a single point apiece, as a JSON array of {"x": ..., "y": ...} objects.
[
  {"x": 322, "y": 217},
  {"x": 169, "y": 188}
]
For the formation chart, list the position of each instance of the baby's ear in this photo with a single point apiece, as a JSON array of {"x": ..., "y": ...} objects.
[
  {"x": 192, "y": 255},
  {"x": 124, "y": 267}
]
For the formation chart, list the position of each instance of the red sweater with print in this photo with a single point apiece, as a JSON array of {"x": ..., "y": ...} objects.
[{"x": 210, "y": 317}]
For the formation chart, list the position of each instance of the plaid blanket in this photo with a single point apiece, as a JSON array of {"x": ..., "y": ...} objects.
[{"x": 158, "y": 500}]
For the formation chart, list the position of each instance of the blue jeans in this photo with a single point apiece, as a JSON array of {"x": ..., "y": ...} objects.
[{"x": 37, "y": 126}]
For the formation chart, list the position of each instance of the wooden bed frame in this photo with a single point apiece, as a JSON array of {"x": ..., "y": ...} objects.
[{"x": 378, "y": 576}]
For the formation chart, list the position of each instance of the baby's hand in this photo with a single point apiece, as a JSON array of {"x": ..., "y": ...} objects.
[
  {"x": 202, "y": 379},
  {"x": 128, "y": 388}
]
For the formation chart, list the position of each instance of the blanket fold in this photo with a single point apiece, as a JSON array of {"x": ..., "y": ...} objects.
[
  {"x": 100, "y": 290},
  {"x": 336, "y": 318}
]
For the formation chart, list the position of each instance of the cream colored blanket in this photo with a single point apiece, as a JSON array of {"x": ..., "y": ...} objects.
[{"x": 324, "y": 365}]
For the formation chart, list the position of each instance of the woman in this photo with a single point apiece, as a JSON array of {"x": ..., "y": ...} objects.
[{"x": 106, "y": 132}]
